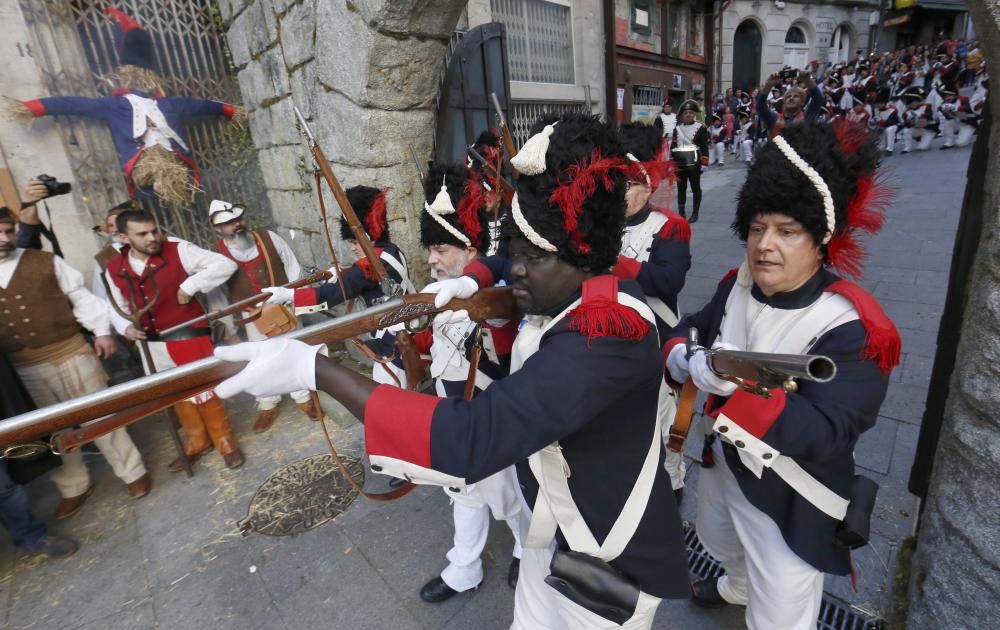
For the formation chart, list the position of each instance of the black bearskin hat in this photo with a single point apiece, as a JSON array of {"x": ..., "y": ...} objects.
[
  {"x": 845, "y": 155},
  {"x": 135, "y": 46},
  {"x": 571, "y": 190},
  {"x": 370, "y": 206},
  {"x": 465, "y": 197},
  {"x": 641, "y": 140}
]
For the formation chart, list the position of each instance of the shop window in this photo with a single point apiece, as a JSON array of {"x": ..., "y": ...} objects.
[{"x": 641, "y": 16}]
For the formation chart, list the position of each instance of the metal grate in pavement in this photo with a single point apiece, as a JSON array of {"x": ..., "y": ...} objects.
[{"x": 834, "y": 614}]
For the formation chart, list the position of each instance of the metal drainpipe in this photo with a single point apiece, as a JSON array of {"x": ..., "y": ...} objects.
[{"x": 611, "y": 87}]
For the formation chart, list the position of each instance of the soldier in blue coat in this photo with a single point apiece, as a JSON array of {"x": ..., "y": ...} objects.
[
  {"x": 777, "y": 472},
  {"x": 577, "y": 415}
]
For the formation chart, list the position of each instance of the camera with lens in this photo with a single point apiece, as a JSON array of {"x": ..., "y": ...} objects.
[
  {"x": 789, "y": 73},
  {"x": 54, "y": 186}
]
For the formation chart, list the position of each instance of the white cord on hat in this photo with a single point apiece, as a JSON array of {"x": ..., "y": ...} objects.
[
  {"x": 448, "y": 226},
  {"x": 529, "y": 232},
  {"x": 817, "y": 181},
  {"x": 530, "y": 160},
  {"x": 642, "y": 168}
]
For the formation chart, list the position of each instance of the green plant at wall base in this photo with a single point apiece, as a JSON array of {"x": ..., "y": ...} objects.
[{"x": 901, "y": 584}]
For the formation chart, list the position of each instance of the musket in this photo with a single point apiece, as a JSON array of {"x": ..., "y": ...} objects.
[
  {"x": 507, "y": 190},
  {"x": 756, "y": 372},
  {"x": 389, "y": 287},
  {"x": 508, "y": 140},
  {"x": 245, "y": 304},
  {"x": 119, "y": 405},
  {"x": 416, "y": 165}
]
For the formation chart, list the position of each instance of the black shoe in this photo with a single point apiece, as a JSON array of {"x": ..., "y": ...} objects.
[
  {"x": 947, "y": 147},
  {"x": 679, "y": 495},
  {"x": 694, "y": 217},
  {"x": 513, "y": 571},
  {"x": 436, "y": 591},
  {"x": 705, "y": 593},
  {"x": 396, "y": 482},
  {"x": 888, "y": 153},
  {"x": 905, "y": 151}
]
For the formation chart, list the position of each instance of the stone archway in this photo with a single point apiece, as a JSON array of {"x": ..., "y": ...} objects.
[
  {"x": 748, "y": 44},
  {"x": 365, "y": 74}
]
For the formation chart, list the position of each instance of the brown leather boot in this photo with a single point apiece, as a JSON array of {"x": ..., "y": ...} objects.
[
  {"x": 69, "y": 506},
  {"x": 213, "y": 412},
  {"x": 197, "y": 442},
  {"x": 310, "y": 409},
  {"x": 265, "y": 418}
]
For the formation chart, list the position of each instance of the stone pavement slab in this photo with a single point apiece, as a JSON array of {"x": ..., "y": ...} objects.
[{"x": 176, "y": 560}]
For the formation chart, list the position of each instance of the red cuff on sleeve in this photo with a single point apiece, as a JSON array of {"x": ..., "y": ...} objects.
[
  {"x": 398, "y": 424},
  {"x": 481, "y": 273},
  {"x": 305, "y": 297},
  {"x": 228, "y": 110},
  {"x": 754, "y": 413},
  {"x": 36, "y": 107},
  {"x": 627, "y": 268}
]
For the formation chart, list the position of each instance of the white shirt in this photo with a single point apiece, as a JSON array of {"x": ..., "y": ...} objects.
[
  {"x": 206, "y": 269},
  {"x": 292, "y": 268},
  {"x": 90, "y": 312},
  {"x": 669, "y": 122}
]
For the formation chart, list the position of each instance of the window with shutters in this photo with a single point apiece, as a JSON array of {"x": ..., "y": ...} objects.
[{"x": 539, "y": 39}]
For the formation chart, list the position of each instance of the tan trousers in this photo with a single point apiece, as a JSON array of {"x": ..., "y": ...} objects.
[{"x": 81, "y": 373}]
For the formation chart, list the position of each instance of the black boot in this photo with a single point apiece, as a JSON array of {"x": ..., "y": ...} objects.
[
  {"x": 680, "y": 211},
  {"x": 513, "y": 572},
  {"x": 705, "y": 593},
  {"x": 694, "y": 216}
]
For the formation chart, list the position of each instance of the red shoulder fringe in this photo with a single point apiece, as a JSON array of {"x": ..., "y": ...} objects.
[
  {"x": 676, "y": 228},
  {"x": 601, "y": 315},
  {"x": 883, "y": 344}
]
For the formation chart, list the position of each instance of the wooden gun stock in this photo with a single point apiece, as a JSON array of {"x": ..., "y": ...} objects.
[{"x": 119, "y": 405}]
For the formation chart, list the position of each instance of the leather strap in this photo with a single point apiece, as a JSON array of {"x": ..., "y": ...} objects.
[
  {"x": 266, "y": 256},
  {"x": 391, "y": 495},
  {"x": 682, "y": 419},
  {"x": 477, "y": 351}
]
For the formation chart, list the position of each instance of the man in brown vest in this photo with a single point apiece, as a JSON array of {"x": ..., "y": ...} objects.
[
  {"x": 263, "y": 259},
  {"x": 176, "y": 270},
  {"x": 43, "y": 304}
]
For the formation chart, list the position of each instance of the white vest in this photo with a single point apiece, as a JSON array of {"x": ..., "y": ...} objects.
[
  {"x": 757, "y": 327},
  {"x": 637, "y": 243},
  {"x": 150, "y": 125}
]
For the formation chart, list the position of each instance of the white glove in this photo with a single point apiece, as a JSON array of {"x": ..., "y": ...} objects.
[
  {"x": 446, "y": 290},
  {"x": 279, "y": 295},
  {"x": 705, "y": 379},
  {"x": 677, "y": 363},
  {"x": 336, "y": 274},
  {"x": 276, "y": 366}
]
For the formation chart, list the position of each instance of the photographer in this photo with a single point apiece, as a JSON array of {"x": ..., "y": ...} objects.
[
  {"x": 30, "y": 229},
  {"x": 795, "y": 107}
]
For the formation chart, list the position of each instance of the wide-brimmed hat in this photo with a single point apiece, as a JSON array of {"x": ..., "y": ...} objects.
[{"x": 223, "y": 212}]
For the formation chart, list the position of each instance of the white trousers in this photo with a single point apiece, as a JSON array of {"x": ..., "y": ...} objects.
[
  {"x": 472, "y": 507},
  {"x": 779, "y": 589},
  {"x": 82, "y": 373},
  {"x": 717, "y": 153},
  {"x": 746, "y": 149},
  {"x": 270, "y": 402},
  {"x": 538, "y": 606},
  {"x": 956, "y": 133},
  {"x": 924, "y": 137},
  {"x": 890, "y": 137}
]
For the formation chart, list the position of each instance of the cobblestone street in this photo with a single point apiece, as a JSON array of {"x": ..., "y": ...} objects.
[{"x": 176, "y": 559}]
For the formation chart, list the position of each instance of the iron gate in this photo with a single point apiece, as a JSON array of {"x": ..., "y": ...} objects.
[{"x": 75, "y": 46}]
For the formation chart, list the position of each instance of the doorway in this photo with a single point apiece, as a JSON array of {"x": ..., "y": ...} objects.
[{"x": 746, "y": 56}]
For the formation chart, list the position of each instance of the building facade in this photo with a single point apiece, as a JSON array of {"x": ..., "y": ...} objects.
[
  {"x": 555, "y": 55},
  {"x": 917, "y": 22},
  {"x": 661, "y": 53},
  {"x": 759, "y": 37}
]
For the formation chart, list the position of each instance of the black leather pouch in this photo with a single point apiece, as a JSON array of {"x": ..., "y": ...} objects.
[
  {"x": 593, "y": 584},
  {"x": 853, "y": 531}
]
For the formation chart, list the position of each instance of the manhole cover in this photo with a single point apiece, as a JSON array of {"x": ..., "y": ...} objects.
[
  {"x": 302, "y": 496},
  {"x": 834, "y": 613}
]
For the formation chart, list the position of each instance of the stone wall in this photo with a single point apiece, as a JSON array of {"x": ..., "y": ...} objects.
[
  {"x": 365, "y": 74},
  {"x": 955, "y": 578}
]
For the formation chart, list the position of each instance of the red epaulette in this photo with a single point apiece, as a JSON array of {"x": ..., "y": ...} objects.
[
  {"x": 729, "y": 274},
  {"x": 883, "y": 344},
  {"x": 366, "y": 266},
  {"x": 676, "y": 228},
  {"x": 600, "y": 314}
]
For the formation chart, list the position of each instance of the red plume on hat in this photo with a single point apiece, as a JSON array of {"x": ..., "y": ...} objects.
[
  {"x": 377, "y": 217},
  {"x": 581, "y": 180},
  {"x": 135, "y": 46},
  {"x": 472, "y": 202},
  {"x": 866, "y": 209}
]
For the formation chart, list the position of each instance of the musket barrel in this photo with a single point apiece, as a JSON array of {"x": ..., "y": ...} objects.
[{"x": 808, "y": 367}]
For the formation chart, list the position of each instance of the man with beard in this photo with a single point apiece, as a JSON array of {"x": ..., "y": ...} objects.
[
  {"x": 263, "y": 259},
  {"x": 453, "y": 228},
  {"x": 165, "y": 275},
  {"x": 43, "y": 305},
  {"x": 795, "y": 107},
  {"x": 778, "y": 472},
  {"x": 578, "y": 412}
]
